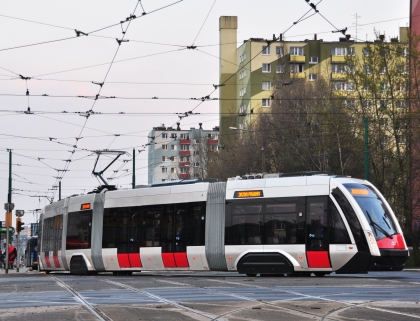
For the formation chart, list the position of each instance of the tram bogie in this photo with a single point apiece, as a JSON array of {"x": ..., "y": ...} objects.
[{"x": 293, "y": 225}]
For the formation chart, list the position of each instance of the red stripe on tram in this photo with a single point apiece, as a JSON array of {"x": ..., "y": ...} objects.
[
  {"x": 123, "y": 260},
  {"x": 181, "y": 259},
  {"x": 135, "y": 260},
  {"x": 318, "y": 259},
  {"x": 168, "y": 260}
]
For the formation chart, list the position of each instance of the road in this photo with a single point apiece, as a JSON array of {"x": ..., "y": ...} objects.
[{"x": 209, "y": 296}]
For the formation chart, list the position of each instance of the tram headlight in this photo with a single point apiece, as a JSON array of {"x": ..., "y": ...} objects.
[{"x": 371, "y": 238}]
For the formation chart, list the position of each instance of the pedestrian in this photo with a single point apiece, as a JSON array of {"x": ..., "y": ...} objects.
[
  {"x": 12, "y": 255},
  {"x": 2, "y": 260}
]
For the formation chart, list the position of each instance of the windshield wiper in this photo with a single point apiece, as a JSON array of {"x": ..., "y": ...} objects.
[{"x": 376, "y": 225}]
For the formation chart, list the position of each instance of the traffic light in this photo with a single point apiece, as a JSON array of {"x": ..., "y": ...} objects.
[{"x": 19, "y": 226}]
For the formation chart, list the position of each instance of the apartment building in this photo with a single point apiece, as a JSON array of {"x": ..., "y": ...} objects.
[
  {"x": 252, "y": 71},
  {"x": 176, "y": 153}
]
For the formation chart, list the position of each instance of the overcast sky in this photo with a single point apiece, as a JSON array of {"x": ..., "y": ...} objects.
[{"x": 154, "y": 63}]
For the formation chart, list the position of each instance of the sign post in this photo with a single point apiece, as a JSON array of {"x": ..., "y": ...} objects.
[{"x": 19, "y": 226}]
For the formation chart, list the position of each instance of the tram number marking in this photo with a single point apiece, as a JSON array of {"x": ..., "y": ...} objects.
[
  {"x": 247, "y": 194},
  {"x": 359, "y": 191}
]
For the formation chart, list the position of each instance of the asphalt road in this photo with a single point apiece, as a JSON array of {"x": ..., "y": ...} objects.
[{"x": 209, "y": 296}]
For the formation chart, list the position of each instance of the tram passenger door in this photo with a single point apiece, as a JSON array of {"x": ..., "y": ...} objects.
[
  {"x": 128, "y": 243},
  {"x": 174, "y": 249},
  {"x": 317, "y": 232}
]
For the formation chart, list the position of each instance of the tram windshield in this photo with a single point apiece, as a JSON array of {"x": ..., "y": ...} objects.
[{"x": 374, "y": 209}]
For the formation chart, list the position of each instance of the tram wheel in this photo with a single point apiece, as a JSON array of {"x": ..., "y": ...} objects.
[
  {"x": 320, "y": 274},
  {"x": 251, "y": 274}
]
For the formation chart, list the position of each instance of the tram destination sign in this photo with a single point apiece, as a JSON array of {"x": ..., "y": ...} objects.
[{"x": 248, "y": 194}]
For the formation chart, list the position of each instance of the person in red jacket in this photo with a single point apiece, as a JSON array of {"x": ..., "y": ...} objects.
[{"x": 12, "y": 255}]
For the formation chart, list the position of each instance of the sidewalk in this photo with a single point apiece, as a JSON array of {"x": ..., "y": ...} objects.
[{"x": 22, "y": 270}]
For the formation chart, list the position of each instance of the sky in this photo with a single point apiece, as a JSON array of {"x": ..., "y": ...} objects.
[{"x": 40, "y": 54}]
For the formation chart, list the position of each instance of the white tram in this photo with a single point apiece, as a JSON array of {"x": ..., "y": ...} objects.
[{"x": 289, "y": 224}]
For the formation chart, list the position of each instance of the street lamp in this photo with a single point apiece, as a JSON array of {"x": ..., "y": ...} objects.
[{"x": 262, "y": 145}]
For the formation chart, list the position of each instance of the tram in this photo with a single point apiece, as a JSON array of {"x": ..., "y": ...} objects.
[{"x": 278, "y": 224}]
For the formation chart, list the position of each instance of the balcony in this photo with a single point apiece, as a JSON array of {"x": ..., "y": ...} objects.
[
  {"x": 338, "y": 59},
  {"x": 183, "y": 164},
  {"x": 185, "y": 141},
  {"x": 184, "y": 176},
  {"x": 299, "y": 59},
  {"x": 184, "y": 152},
  {"x": 299, "y": 75},
  {"x": 338, "y": 76},
  {"x": 213, "y": 141}
]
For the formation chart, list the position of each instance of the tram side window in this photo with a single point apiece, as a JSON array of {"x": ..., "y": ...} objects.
[
  {"x": 51, "y": 238},
  {"x": 109, "y": 239},
  {"x": 79, "y": 227},
  {"x": 247, "y": 224},
  {"x": 336, "y": 227},
  {"x": 352, "y": 220},
  {"x": 281, "y": 223}
]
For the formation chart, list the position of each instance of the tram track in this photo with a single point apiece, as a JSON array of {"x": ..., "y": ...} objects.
[
  {"x": 100, "y": 315},
  {"x": 330, "y": 315}
]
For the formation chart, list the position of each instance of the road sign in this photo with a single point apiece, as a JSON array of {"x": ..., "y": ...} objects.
[
  {"x": 9, "y": 207},
  {"x": 19, "y": 213},
  {"x": 3, "y": 229}
]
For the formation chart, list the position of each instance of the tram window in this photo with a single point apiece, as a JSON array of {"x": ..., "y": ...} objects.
[
  {"x": 109, "y": 228},
  {"x": 79, "y": 227},
  {"x": 152, "y": 218},
  {"x": 197, "y": 221},
  {"x": 181, "y": 227},
  {"x": 247, "y": 229},
  {"x": 281, "y": 208},
  {"x": 280, "y": 228},
  {"x": 247, "y": 208},
  {"x": 352, "y": 220},
  {"x": 336, "y": 227},
  {"x": 134, "y": 230}
]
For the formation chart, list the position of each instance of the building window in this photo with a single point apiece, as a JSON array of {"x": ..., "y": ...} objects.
[
  {"x": 383, "y": 122},
  {"x": 337, "y": 69},
  {"x": 313, "y": 77},
  {"x": 164, "y": 147},
  {"x": 265, "y": 102},
  {"x": 296, "y": 51},
  {"x": 266, "y": 68},
  {"x": 197, "y": 141},
  {"x": 266, "y": 85},
  {"x": 382, "y": 70},
  {"x": 213, "y": 148},
  {"x": 184, "y": 170},
  {"x": 164, "y": 180},
  {"x": 164, "y": 135},
  {"x": 279, "y": 50},
  {"x": 401, "y": 139},
  {"x": 185, "y": 136},
  {"x": 213, "y": 136},
  {"x": 383, "y": 103},
  {"x": 343, "y": 86},
  {"x": 165, "y": 158},
  {"x": 242, "y": 109},
  {"x": 342, "y": 51},
  {"x": 173, "y": 170},
  {"x": 164, "y": 169},
  {"x": 296, "y": 68},
  {"x": 173, "y": 135},
  {"x": 401, "y": 103},
  {"x": 350, "y": 69},
  {"x": 367, "y": 103},
  {"x": 174, "y": 159},
  {"x": 242, "y": 57},
  {"x": 383, "y": 86},
  {"x": 313, "y": 60},
  {"x": 173, "y": 147},
  {"x": 185, "y": 147},
  {"x": 366, "y": 51},
  {"x": 185, "y": 159},
  {"x": 366, "y": 69},
  {"x": 279, "y": 68},
  {"x": 242, "y": 74},
  {"x": 265, "y": 50}
]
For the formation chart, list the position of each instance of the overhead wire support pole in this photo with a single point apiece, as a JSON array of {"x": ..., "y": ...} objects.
[
  {"x": 134, "y": 168},
  {"x": 9, "y": 212}
]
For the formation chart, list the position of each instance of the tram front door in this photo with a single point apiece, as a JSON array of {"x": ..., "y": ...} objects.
[{"x": 317, "y": 232}]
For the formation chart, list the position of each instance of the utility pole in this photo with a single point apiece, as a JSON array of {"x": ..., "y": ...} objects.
[
  {"x": 366, "y": 152},
  {"x": 9, "y": 208},
  {"x": 134, "y": 168},
  {"x": 59, "y": 190}
]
